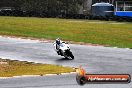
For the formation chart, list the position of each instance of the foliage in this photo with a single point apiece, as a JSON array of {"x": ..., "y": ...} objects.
[{"x": 46, "y": 6}]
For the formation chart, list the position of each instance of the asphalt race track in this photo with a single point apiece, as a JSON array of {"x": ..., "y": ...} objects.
[{"x": 95, "y": 59}]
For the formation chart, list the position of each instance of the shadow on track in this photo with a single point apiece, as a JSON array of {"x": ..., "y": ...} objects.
[{"x": 63, "y": 59}]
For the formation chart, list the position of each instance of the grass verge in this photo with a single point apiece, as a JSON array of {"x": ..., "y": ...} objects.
[
  {"x": 10, "y": 68},
  {"x": 97, "y": 32}
]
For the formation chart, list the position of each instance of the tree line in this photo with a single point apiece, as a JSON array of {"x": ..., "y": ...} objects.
[{"x": 45, "y": 7}]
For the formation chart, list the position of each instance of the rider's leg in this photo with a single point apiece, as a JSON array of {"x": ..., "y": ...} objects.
[{"x": 57, "y": 48}]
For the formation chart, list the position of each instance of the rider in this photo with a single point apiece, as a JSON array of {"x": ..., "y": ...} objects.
[{"x": 58, "y": 42}]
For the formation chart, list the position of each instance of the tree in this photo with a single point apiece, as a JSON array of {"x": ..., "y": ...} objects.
[{"x": 50, "y": 7}]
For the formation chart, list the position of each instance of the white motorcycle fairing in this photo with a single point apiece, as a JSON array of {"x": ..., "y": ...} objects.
[{"x": 64, "y": 50}]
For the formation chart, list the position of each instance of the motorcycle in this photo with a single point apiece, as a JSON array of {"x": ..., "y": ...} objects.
[{"x": 64, "y": 50}]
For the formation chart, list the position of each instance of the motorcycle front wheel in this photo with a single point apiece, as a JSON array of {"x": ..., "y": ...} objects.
[{"x": 69, "y": 55}]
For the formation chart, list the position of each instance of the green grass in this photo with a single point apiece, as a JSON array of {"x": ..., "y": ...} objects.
[
  {"x": 18, "y": 68},
  {"x": 88, "y": 31}
]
